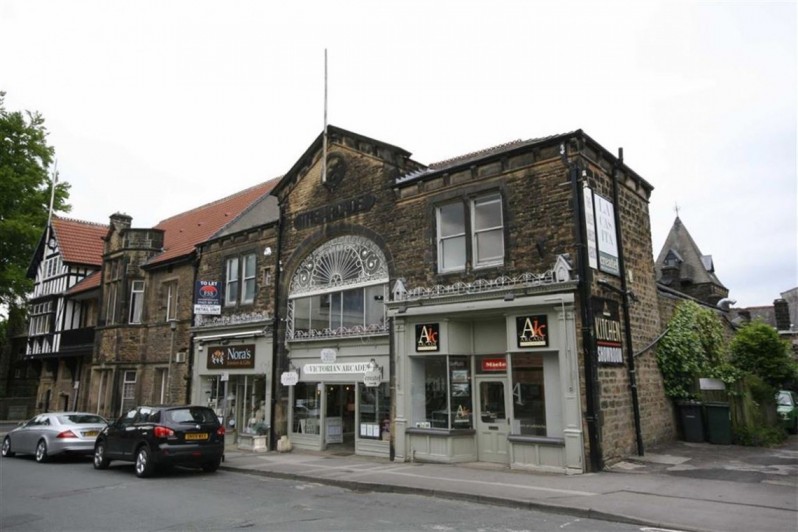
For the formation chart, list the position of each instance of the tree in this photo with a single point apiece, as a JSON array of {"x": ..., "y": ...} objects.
[
  {"x": 25, "y": 159},
  {"x": 694, "y": 347},
  {"x": 757, "y": 349}
]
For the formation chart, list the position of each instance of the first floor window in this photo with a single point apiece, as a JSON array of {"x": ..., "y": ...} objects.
[
  {"x": 342, "y": 310},
  {"x": 231, "y": 282},
  {"x": 442, "y": 392},
  {"x": 136, "y": 301},
  {"x": 240, "y": 274},
  {"x": 171, "y": 301},
  {"x": 470, "y": 231}
]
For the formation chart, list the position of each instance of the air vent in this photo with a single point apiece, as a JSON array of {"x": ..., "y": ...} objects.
[{"x": 180, "y": 357}]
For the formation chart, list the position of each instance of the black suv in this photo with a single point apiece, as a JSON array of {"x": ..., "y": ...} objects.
[{"x": 153, "y": 436}]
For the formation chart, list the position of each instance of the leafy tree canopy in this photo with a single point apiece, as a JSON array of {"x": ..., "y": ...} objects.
[
  {"x": 25, "y": 159},
  {"x": 757, "y": 349}
]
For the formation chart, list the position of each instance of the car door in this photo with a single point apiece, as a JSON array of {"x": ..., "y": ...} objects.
[
  {"x": 27, "y": 435},
  {"x": 118, "y": 437}
]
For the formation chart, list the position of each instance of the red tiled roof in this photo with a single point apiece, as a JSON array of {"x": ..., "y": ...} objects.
[
  {"x": 88, "y": 283},
  {"x": 184, "y": 231},
  {"x": 79, "y": 242}
]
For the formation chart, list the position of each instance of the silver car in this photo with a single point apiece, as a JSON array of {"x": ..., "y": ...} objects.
[{"x": 54, "y": 433}]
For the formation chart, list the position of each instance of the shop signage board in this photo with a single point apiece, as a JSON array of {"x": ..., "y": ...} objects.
[
  {"x": 208, "y": 297},
  {"x": 607, "y": 236},
  {"x": 532, "y": 331},
  {"x": 590, "y": 226},
  {"x": 328, "y": 355},
  {"x": 372, "y": 378},
  {"x": 607, "y": 328},
  {"x": 335, "y": 368},
  {"x": 427, "y": 336},
  {"x": 289, "y": 378},
  {"x": 231, "y": 356},
  {"x": 494, "y": 364}
]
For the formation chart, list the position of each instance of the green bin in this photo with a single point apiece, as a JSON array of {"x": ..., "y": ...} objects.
[
  {"x": 692, "y": 421},
  {"x": 718, "y": 423}
]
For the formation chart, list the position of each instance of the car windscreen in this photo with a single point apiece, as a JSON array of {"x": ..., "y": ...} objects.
[
  {"x": 784, "y": 399},
  {"x": 81, "y": 419},
  {"x": 191, "y": 415}
]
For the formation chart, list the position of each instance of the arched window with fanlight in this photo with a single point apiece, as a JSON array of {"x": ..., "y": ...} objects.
[{"x": 339, "y": 289}]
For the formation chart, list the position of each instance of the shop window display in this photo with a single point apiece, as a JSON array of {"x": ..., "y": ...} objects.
[
  {"x": 306, "y": 408},
  {"x": 375, "y": 412},
  {"x": 445, "y": 401},
  {"x": 529, "y": 399}
]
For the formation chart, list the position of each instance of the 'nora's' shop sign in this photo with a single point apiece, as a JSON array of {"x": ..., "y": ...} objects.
[{"x": 231, "y": 356}]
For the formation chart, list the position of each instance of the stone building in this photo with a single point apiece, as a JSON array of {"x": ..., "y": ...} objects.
[
  {"x": 232, "y": 370},
  {"x": 682, "y": 267},
  {"x": 148, "y": 283},
  {"x": 486, "y": 308},
  {"x": 62, "y": 311}
]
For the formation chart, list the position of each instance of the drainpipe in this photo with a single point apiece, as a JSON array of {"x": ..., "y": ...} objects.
[
  {"x": 625, "y": 293},
  {"x": 586, "y": 309},
  {"x": 275, "y": 328}
]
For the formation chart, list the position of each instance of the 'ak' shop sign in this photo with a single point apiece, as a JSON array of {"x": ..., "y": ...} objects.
[
  {"x": 231, "y": 356},
  {"x": 607, "y": 327},
  {"x": 532, "y": 331},
  {"x": 427, "y": 337}
]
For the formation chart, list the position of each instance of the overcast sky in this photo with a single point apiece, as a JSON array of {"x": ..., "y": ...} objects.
[{"x": 158, "y": 107}]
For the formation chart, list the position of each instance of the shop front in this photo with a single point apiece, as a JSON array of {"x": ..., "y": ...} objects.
[
  {"x": 493, "y": 379},
  {"x": 231, "y": 375},
  {"x": 341, "y": 400}
]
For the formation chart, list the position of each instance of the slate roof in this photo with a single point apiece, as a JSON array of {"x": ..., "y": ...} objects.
[
  {"x": 184, "y": 231},
  {"x": 462, "y": 160},
  {"x": 79, "y": 242},
  {"x": 695, "y": 266}
]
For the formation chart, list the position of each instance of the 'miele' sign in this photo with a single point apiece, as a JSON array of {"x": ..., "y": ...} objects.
[
  {"x": 427, "y": 337},
  {"x": 532, "y": 331},
  {"x": 607, "y": 328},
  {"x": 231, "y": 356}
]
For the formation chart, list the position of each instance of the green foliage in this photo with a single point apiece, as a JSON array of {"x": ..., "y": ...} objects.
[
  {"x": 25, "y": 159},
  {"x": 757, "y": 349},
  {"x": 759, "y": 436},
  {"x": 693, "y": 347}
]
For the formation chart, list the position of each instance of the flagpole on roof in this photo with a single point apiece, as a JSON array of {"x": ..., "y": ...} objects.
[
  {"x": 53, "y": 183},
  {"x": 324, "y": 147}
]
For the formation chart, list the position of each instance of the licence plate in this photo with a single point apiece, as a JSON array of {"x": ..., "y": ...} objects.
[
  {"x": 197, "y": 436},
  {"x": 89, "y": 433}
]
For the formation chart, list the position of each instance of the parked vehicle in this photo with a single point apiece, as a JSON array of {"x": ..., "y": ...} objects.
[
  {"x": 155, "y": 436},
  {"x": 54, "y": 433},
  {"x": 787, "y": 407}
]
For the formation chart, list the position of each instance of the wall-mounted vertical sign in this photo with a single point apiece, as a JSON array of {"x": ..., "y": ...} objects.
[
  {"x": 427, "y": 337},
  {"x": 607, "y": 236},
  {"x": 208, "y": 297},
  {"x": 532, "y": 331},
  {"x": 231, "y": 356},
  {"x": 590, "y": 226},
  {"x": 607, "y": 328}
]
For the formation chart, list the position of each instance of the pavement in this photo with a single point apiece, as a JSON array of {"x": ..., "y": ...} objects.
[{"x": 683, "y": 486}]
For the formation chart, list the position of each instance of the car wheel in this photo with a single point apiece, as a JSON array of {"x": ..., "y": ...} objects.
[
  {"x": 144, "y": 464},
  {"x": 41, "y": 451},
  {"x": 213, "y": 465},
  {"x": 100, "y": 461},
  {"x": 6, "y": 450}
]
